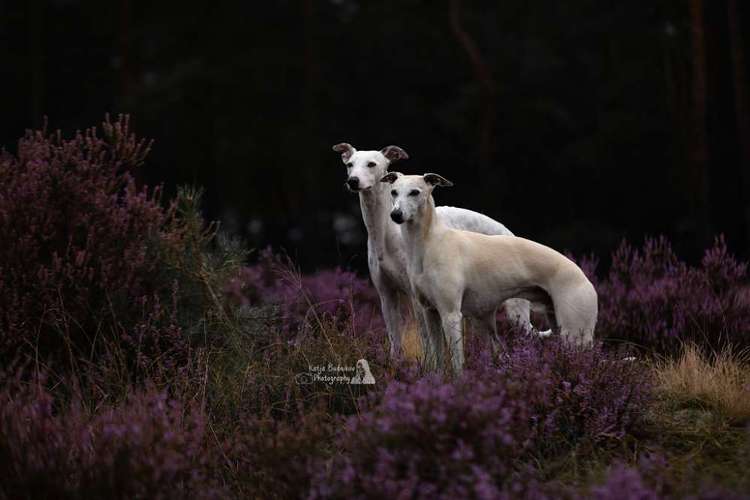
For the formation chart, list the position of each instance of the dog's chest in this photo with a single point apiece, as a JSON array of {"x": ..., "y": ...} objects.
[
  {"x": 389, "y": 268},
  {"x": 423, "y": 298},
  {"x": 424, "y": 288}
]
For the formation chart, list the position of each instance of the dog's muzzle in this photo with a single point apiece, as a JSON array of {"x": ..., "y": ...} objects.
[
  {"x": 353, "y": 183},
  {"x": 397, "y": 216}
]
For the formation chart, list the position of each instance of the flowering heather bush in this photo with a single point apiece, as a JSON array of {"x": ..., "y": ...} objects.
[
  {"x": 78, "y": 228},
  {"x": 272, "y": 458},
  {"x": 147, "y": 447},
  {"x": 304, "y": 300},
  {"x": 433, "y": 439},
  {"x": 578, "y": 395},
  {"x": 653, "y": 299},
  {"x": 652, "y": 479},
  {"x": 625, "y": 483},
  {"x": 470, "y": 437}
]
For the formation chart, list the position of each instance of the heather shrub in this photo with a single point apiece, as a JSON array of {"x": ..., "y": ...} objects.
[
  {"x": 101, "y": 276},
  {"x": 270, "y": 374},
  {"x": 652, "y": 478},
  {"x": 653, "y": 299},
  {"x": 480, "y": 434},
  {"x": 277, "y": 421},
  {"x": 80, "y": 263},
  {"x": 288, "y": 322},
  {"x": 148, "y": 445},
  {"x": 645, "y": 481},
  {"x": 433, "y": 439},
  {"x": 303, "y": 301},
  {"x": 579, "y": 396},
  {"x": 272, "y": 458}
]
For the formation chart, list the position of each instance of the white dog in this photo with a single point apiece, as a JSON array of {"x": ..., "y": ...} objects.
[
  {"x": 386, "y": 254},
  {"x": 454, "y": 272}
]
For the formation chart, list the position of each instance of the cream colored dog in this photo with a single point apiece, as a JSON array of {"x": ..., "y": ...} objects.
[
  {"x": 386, "y": 255},
  {"x": 454, "y": 272}
]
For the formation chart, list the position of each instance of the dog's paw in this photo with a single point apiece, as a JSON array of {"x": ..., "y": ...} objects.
[{"x": 544, "y": 334}]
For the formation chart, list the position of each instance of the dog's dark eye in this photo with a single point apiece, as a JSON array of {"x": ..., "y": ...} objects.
[
  {"x": 414, "y": 192},
  {"x": 370, "y": 164},
  {"x": 394, "y": 192},
  {"x": 349, "y": 165}
]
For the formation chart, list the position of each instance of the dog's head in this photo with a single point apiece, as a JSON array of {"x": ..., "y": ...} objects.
[
  {"x": 365, "y": 168},
  {"x": 410, "y": 193}
]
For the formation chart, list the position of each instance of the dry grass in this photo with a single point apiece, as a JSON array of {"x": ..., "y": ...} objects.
[
  {"x": 410, "y": 342},
  {"x": 719, "y": 381}
]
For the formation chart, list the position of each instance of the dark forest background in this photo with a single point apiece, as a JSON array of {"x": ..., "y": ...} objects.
[{"x": 577, "y": 124}]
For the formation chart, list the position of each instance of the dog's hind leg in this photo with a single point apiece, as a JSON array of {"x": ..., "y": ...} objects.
[
  {"x": 576, "y": 314},
  {"x": 487, "y": 325},
  {"x": 519, "y": 312}
]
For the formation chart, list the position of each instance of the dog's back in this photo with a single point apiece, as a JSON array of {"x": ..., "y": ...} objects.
[{"x": 468, "y": 220}]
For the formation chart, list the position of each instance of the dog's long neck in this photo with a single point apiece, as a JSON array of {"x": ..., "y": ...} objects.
[
  {"x": 417, "y": 234},
  {"x": 375, "y": 212}
]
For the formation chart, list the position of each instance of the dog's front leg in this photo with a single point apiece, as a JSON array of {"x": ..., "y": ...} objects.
[
  {"x": 428, "y": 349},
  {"x": 434, "y": 357},
  {"x": 392, "y": 317},
  {"x": 452, "y": 322}
]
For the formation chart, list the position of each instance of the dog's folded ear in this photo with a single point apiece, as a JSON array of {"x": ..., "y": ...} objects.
[
  {"x": 394, "y": 153},
  {"x": 437, "y": 180},
  {"x": 345, "y": 149},
  {"x": 390, "y": 177}
]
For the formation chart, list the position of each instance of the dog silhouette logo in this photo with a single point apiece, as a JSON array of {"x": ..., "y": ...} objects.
[{"x": 363, "y": 374}]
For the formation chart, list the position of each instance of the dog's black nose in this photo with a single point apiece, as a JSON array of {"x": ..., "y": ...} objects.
[
  {"x": 397, "y": 216},
  {"x": 353, "y": 183}
]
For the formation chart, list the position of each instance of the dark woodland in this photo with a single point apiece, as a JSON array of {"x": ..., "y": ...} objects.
[{"x": 575, "y": 124}]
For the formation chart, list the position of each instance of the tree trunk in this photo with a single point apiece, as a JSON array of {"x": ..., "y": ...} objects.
[
  {"x": 36, "y": 59},
  {"x": 124, "y": 43},
  {"x": 312, "y": 75},
  {"x": 740, "y": 108},
  {"x": 487, "y": 84},
  {"x": 699, "y": 156}
]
